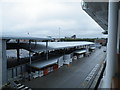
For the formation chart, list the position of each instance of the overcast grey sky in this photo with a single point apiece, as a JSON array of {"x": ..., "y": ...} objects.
[{"x": 44, "y": 17}]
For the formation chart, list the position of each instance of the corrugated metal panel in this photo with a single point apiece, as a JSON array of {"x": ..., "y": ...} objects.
[
  {"x": 80, "y": 51},
  {"x": 24, "y": 38},
  {"x": 44, "y": 63},
  {"x": 58, "y": 45},
  {"x": 41, "y": 46}
]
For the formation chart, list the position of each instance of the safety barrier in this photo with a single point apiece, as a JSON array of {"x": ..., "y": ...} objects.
[
  {"x": 55, "y": 67},
  {"x": 45, "y": 71},
  {"x": 16, "y": 72}
]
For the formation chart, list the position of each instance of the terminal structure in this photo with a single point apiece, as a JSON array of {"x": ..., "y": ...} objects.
[
  {"x": 107, "y": 15},
  {"x": 43, "y": 56}
]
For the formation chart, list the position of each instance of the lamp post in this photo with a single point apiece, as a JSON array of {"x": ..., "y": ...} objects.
[{"x": 59, "y": 33}]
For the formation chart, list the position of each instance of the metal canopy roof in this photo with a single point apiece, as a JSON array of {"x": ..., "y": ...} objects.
[
  {"x": 24, "y": 38},
  {"x": 44, "y": 63},
  {"x": 35, "y": 48},
  {"x": 41, "y": 46},
  {"x": 98, "y": 11},
  {"x": 80, "y": 51},
  {"x": 60, "y": 45},
  {"x": 57, "y": 45}
]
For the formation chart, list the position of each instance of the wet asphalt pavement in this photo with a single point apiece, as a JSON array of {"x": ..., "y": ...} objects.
[{"x": 69, "y": 76}]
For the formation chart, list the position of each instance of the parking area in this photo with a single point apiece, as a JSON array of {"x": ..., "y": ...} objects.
[{"x": 71, "y": 76}]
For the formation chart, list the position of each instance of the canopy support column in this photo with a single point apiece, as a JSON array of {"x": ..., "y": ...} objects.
[
  {"x": 18, "y": 51},
  {"x": 47, "y": 50},
  {"x": 112, "y": 43},
  {"x": 30, "y": 51}
]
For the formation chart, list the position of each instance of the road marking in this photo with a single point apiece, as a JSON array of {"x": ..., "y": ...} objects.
[{"x": 90, "y": 76}]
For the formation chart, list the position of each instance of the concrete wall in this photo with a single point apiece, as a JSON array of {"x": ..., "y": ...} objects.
[
  {"x": 3, "y": 63},
  {"x": 0, "y": 63}
]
